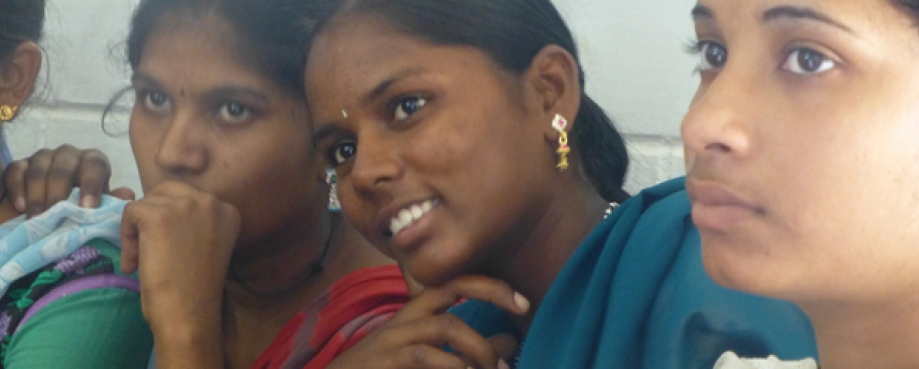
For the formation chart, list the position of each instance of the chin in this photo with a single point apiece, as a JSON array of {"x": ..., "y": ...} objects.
[{"x": 739, "y": 269}]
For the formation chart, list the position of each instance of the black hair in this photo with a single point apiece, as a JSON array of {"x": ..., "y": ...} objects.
[
  {"x": 268, "y": 34},
  {"x": 512, "y": 33},
  {"x": 20, "y": 21}
]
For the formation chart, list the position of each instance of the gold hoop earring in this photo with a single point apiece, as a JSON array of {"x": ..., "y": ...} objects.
[
  {"x": 561, "y": 125},
  {"x": 7, "y": 112}
]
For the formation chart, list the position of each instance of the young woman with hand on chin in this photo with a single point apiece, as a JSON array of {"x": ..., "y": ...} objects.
[{"x": 242, "y": 263}]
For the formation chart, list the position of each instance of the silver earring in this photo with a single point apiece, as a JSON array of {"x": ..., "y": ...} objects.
[{"x": 331, "y": 177}]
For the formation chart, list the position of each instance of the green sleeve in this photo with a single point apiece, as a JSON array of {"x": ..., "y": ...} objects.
[{"x": 101, "y": 328}]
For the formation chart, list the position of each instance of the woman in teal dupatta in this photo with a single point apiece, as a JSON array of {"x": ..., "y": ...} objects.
[{"x": 448, "y": 125}]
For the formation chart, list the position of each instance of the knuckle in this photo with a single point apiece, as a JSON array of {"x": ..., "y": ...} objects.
[
  {"x": 34, "y": 173},
  {"x": 443, "y": 325},
  {"x": 66, "y": 147},
  {"x": 60, "y": 172},
  {"x": 17, "y": 166},
  {"x": 94, "y": 158},
  {"x": 419, "y": 355},
  {"x": 43, "y": 153}
]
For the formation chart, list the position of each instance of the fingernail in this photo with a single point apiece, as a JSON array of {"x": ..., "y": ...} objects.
[
  {"x": 88, "y": 201},
  {"x": 503, "y": 365},
  {"x": 521, "y": 301},
  {"x": 20, "y": 204}
]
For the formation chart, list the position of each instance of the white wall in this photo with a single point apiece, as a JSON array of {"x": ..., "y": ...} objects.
[{"x": 632, "y": 51}]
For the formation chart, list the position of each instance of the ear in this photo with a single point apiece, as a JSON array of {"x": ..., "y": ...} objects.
[
  {"x": 17, "y": 78},
  {"x": 555, "y": 76}
]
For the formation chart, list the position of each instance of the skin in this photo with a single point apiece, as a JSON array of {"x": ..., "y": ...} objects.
[
  {"x": 234, "y": 184},
  {"x": 820, "y": 164},
  {"x": 480, "y": 144}
]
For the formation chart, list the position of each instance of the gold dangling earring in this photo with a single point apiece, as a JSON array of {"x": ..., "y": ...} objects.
[
  {"x": 561, "y": 124},
  {"x": 7, "y": 112}
]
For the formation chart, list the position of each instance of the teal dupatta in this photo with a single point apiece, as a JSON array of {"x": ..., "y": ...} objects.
[{"x": 635, "y": 295}]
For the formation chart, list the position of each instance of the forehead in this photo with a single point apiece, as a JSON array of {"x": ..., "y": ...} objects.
[
  {"x": 356, "y": 53},
  {"x": 196, "y": 52},
  {"x": 857, "y": 13}
]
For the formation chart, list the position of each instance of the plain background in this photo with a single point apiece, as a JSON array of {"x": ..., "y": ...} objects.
[{"x": 633, "y": 52}]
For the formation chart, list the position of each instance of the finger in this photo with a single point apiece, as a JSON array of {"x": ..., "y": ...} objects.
[
  {"x": 414, "y": 288},
  {"x": 124, "y": 193},
  {"x": 436, "y": 300},
  {"x": 36, "y": 176},
  {"x": 426, "y": 357},
  {"x": 130, "y": 237},
  {"x": 176, "y": 189},
  {"x": 450, "y": 330},
  {"x": 94, "y": 174},
  {"x": 62, "y": 175},
  {"x": 14, "y": 177},
  {"x": 506, "y": 345}
]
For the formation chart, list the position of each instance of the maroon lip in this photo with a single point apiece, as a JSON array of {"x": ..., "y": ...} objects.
[
  {"x": 391, "y": 210},
  {"x": 712, "y": 194}
]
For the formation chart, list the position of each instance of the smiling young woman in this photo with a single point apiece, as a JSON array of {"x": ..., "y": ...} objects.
[
  {"x": 461, "y": 116},
  {"x": 802, "y": 147}
]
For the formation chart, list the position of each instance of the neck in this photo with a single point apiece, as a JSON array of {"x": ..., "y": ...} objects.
[
  {"x": 271, "y": 289},
  {"x": 870, "y": 335},
  {"x": 534, "y": 266}
]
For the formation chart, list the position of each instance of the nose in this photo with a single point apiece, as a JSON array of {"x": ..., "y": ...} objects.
[
  {"x": 182, "y": 148},
  {"x": 719, "y": 121},
  {"x": 376, "y": 166}
]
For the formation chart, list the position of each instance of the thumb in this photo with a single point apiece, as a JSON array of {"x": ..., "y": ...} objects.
[
  {"x": 130, "y": 240},
  {"x": 124, "y": 193}
]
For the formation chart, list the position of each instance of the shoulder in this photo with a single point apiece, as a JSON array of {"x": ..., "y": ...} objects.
[{"x": 730, "y": 360}]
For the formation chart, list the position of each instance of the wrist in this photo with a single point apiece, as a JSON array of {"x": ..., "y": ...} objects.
[{"x": 188, "y": 346}]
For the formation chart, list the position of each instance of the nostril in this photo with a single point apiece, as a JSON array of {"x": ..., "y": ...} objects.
[{"x": 718, "y": 147}]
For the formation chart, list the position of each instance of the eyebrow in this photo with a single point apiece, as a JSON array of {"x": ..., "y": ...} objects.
[
  {"x": 700, "y": 12},
  {"x": 141, "y": 78},
  {"x": 796, "y": 13},
  {"x": 381, "y": 88},
  {"x": 323, "y": 132},
  {"x": 223, "y": 91},
  {"x": 328, "y": 129}
]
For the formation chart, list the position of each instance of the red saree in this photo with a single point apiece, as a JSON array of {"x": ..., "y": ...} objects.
[{"x": 337, "y": 319}]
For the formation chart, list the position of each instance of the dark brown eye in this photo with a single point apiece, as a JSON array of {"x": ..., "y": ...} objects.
[
  {"x": 714, "y": 56},
  {"x": 341, "y": 152},
  {"x": 407, "y": 106},
  {"x": 807, "y": 61}
]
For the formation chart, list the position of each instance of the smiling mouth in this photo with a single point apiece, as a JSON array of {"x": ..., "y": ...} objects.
[{"x": 408, "y": 216}]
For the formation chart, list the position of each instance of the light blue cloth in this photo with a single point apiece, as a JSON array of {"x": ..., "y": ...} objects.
[{"x": 27, "y": 245}]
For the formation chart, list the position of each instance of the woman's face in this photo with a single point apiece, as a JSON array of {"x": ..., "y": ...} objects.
[
  {"x": 802, "y": 147},
  {"x": 205, "y": 118},
  {"x": 440, "y": 153}
]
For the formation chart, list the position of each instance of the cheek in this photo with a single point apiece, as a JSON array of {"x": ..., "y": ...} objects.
[{"x": 144, "y": 143}]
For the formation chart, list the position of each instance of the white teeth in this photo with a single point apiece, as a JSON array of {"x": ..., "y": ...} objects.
[{"x": 408, "y": 216}]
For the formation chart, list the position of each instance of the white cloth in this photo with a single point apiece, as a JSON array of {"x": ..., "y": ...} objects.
[{"x": 729, "y": 360}]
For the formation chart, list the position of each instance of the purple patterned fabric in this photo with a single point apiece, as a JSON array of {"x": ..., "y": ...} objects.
[{"x": 79, "y": 259}]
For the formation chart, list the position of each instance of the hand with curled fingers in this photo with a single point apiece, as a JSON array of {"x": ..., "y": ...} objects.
[
  {"x": 47, "y": 177},
  {"x": 180, "y": 240},
  {"x": 416, "y": 336}
]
